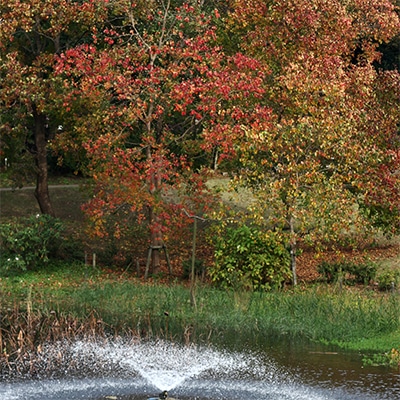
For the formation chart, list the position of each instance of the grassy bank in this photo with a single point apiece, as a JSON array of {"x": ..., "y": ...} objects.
[{"x": 354, "y": 319}]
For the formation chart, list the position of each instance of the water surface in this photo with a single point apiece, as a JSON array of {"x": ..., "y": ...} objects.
[{"x": 269, "y": 368}]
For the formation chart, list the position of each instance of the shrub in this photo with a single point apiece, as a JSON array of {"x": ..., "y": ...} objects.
[
  {"x": 364, "y": 272},
  {"x": 249, "y": 257},
  {"x": 350, "y": 272},
  {"x": 388, "y": 279},
  {"x": 29, "y": 242},
  {"x": 330, "y": 271}
]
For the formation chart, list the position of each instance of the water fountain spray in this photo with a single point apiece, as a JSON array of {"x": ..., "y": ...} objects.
[{"x": 131, "y": 369}]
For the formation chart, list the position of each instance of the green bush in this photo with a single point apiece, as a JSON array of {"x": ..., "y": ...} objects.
[
  {"x": 348, "y": 271},
  {"x": 364, "y": 272},
  {"x": 330, "y": 271},
  {"x": 249, "y": 257},
  {"x": 29, "y": 242},
  {"x": 388, "y": 279}
]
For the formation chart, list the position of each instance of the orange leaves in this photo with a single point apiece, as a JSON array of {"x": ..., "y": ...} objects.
[
  {"x": 85, "y": 61},
  {"x": 153, "y": 90},
  {"x": 280, "y": 31},
  {"x": 375, "y": 19},
  {"x": 48, "y": 18},
  {"x": 329, "y": 127}
]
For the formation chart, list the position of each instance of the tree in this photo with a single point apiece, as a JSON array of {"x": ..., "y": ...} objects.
[
  {"x": 141, "y": 81},
  {"x": 31, "y": 33},
  {"x": 157, "y": 85},
  {"x": 330, "y": 134}
]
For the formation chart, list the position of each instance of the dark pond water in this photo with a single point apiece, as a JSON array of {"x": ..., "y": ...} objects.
[{"x": 266, "y": 368}]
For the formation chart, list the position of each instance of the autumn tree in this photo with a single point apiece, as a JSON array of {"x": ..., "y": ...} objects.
[
  {"x": 157, "y": 85},
  {"x": 142, "y": 128},
  {"x": 31, "y": 34},
  {"x": 332, "y": 134}
]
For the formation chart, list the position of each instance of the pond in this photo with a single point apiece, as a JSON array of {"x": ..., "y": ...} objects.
[{"x": 267, "y": 368}]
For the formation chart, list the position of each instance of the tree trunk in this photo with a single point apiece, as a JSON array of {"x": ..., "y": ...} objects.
[
  {"x": 156, "y": 241},
  {"x": 42, "y": 187},
  {"x": 192, "y": 271},
  {"x": 156, "y": 237},
  {"x": 293, "y": 249}
]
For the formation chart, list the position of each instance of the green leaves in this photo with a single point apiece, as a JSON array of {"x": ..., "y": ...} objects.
[
  {"x": 249, "y": 257},
  {"x": 28, "y": 243}
]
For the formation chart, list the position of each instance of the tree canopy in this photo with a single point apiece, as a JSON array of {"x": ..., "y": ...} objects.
[
  {"x": 328, "y": 143},
  {"x": 31, "y": 34},
  {"x": 145, "y": 97}
]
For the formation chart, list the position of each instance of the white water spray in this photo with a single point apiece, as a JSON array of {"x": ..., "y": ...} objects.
[
  {"x": 132, "y": 369},
  {"x": 167, "y": 365}
]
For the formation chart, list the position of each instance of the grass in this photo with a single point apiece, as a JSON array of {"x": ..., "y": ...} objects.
[
  {"x": 354, "y": 319},
  {"x": 22, "y": 202},
  {"x": 344, "y": 319}
]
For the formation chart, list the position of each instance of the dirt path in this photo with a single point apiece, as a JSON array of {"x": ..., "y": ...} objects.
[{"x": 15, "y": 189}]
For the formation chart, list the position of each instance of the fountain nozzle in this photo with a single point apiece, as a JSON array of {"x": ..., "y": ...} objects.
[{"x": 163, "y": 395}]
